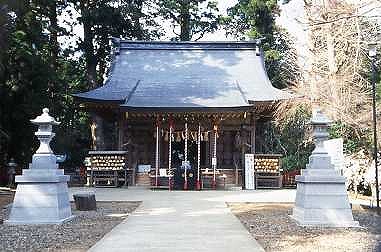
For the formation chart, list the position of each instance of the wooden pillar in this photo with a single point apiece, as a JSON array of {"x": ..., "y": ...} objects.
[
  {"x": 253, "y": 126},
  {"x": 157, "y": 152},
  {"x": 121, "y": 128},
  {"x": 207, "y": 150},
  {"x": 244, "y": 142},
  {"x": 210, "y": 145},
  {"x": 214, "y": 164},
  {"x": 186, "y": 155},
  {"x": 170, "y": 173},
  {"x": 198, "y": 184}
]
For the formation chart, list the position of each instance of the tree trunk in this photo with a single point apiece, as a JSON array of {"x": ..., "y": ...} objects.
[
  {"x": 53, "y": 29},
  {"x": 91, "y": 72},
  {"x": 185, "y": 21},
  {"x": 54, "y": 49},
  {"x": 88, "y": 44},
  {"x": 138, "y": 6}
]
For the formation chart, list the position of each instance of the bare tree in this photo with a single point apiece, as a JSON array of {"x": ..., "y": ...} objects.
[{"x": 335, "y": 78}]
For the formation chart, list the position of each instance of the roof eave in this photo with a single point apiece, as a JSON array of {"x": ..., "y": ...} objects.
[
  {"x": 187, "y": 109},
  {"x": 81, "y": 99}
]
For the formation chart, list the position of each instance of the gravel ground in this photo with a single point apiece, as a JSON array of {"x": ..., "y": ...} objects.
[
  {"x": 272, "y": 227},
  {"x": 78, "y": 234}
]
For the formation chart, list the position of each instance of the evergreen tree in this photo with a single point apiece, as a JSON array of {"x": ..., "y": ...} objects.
[
  {"x": 194, "y": 18},
  {"x": 256, "y": 19},
  {"x": 103, "y": 19},
  {"x": 35, "y": 72},
  {"x": 25, "y": 75}
]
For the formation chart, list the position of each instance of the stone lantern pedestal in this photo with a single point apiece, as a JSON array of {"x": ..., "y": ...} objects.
[
  {"x": 42, "y": 195},
  {"x": 321, "y": 196}
]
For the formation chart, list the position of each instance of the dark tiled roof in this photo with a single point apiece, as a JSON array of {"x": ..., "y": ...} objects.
[{"x": 186, "y": 75}]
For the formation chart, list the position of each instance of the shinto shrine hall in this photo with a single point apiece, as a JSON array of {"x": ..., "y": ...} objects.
[{"x": 181, "y": 114}]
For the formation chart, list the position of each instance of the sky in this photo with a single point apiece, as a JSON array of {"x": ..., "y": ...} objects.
[
  {"x": 290, "y": 14},
  {"x": 291, "y": 18}
]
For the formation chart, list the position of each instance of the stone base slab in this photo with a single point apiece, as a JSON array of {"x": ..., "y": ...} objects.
[
  {"x": 41, "y": 222},
  {"x": 322, "y": 201},
  {"x": 324, "y": 217},
  {"x": 40, "y": 203}
]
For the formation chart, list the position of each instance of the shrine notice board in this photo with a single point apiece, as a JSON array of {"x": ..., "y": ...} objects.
[{"x": 249, "y": 172}]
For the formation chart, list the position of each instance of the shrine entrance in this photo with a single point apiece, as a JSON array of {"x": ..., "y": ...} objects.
[
  {"x": 178, "y": 153},
  {"x": 178, "y": 158},
  {"x": 186, "y": 149}
]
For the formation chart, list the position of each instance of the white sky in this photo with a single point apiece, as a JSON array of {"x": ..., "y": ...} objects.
[{"x": 289, "y": 14}]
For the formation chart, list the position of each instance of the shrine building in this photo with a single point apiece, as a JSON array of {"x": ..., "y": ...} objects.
[{"x": 180, "y": 113}]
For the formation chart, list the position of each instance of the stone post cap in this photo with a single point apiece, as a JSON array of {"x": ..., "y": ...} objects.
[
  {"x": 44, "y": 118},
  {"x": 318, "y": 118}
]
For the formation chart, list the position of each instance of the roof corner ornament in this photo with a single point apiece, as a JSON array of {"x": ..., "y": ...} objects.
[{"x": 258, "y": 42}]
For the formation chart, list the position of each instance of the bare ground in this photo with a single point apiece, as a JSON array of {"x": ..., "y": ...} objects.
[
  {"x": 6, "y": 197},
  {"x": 272, "y": 227},
  {"x": 79, "y": 234}
]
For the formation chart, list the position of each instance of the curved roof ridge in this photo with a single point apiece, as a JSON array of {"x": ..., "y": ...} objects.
[
  {"x": 187, "y": 45},
  {"x": 185, "y": 75}
]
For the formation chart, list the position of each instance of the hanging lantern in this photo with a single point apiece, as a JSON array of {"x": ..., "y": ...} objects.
[
  {"x": 206, "y": 136},
  {"x": 166, "y": 136},
  {"x": 178, "y": 136},
  {"x": 182, "y": 135},
  {"x": 193, "y": 136}
]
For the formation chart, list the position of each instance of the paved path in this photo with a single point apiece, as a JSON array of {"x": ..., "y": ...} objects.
[{"x": 183, "y": 221}]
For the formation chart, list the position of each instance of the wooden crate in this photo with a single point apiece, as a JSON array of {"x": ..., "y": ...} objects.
[
  {"x": 267, "y": 171},
  {"x": 107, "y": 168}
]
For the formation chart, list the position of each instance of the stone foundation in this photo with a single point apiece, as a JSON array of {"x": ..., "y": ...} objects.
[
  {"x": 143, "y": 179},
  {"x": 40, "y": 203}
]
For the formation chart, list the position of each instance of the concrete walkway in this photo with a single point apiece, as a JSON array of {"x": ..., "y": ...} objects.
[{"x": 182, "y": 221}]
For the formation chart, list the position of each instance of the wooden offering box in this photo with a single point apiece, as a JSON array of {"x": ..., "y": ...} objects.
[
  {"x": 267, "y": 171},
  {"x": 107, "y": 168}
]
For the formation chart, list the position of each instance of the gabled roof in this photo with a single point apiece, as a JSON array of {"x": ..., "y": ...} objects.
[{"x": 186, "y": 76}]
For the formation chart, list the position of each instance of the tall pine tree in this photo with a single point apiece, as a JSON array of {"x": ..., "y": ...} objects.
[
  {"x": 256, "y": 19},
  {"x": 191, "y": 19}
]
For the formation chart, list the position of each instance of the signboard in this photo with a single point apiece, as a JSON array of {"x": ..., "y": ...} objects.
[
  {"x": 144, "y": 168},
  {"x": 249, "y": 172},
  {"x": 335, "y": 150},
  {"x": 214, "y": 161}
]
